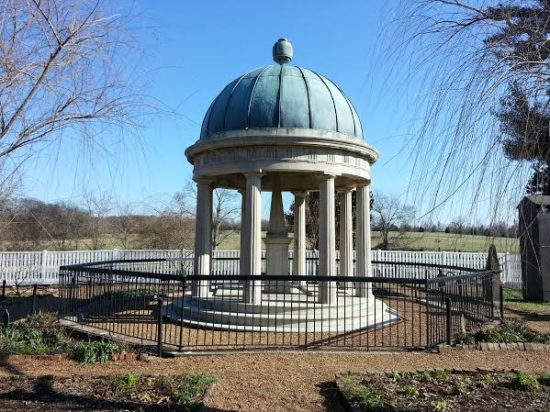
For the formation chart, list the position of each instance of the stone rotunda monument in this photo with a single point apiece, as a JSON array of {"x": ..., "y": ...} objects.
[{"x": 284, "y": 128}]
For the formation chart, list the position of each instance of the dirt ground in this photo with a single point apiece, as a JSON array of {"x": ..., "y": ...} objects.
[{"x": 279, "y": 381}]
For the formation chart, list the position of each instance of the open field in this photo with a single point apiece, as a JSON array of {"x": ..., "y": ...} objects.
[
  {"x": 423, "y": 241},
  {"x": 400, "y": 241}
]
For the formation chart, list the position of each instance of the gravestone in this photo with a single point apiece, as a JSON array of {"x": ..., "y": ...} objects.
[
  {"x": 534, "y": 241},
  {"x": 492, "y": 290}
]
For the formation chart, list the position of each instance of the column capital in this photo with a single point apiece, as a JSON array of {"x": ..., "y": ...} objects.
[
  {"x": 257, "y": 173},
  {"x": 363, "y": 184},
  {"x": 300, "y": 193},
  {"x": 204, "y": 180},
  {"x": 345, "y": 189},
  {"x": 327, "y": 176}
]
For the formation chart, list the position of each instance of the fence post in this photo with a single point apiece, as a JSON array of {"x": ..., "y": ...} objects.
[
  {"x": 4, "y": 290},
  {"x": 428, "y": 298},
  {"x": 33, "y": 307},
  {"x": 44, "y": 264},
  {"x": 448, "y": 316},
  {"x": 72, "y": 293},
  {"x": 180, "y": 347},
  {"x": 160, "y": 302},
  {"x": 5, "y": 317},
  {"x": 501, "y": 296}
]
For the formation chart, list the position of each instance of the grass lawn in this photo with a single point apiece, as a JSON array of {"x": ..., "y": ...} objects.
[
  {"x": 513, "y": 300},
  {"x": 447, "y": 242}
]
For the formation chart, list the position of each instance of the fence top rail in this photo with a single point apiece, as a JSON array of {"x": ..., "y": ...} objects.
[
  {"x": 94, "y": 269},
  {"x": 79, "y": 266},
  {"x": 482, "y": 274},
  {"x": 427, "y": 265},
  {"x": 289, "y": 278}
]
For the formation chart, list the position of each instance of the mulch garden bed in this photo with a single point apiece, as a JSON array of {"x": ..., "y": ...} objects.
[
  {"x": 442, "y": 390},
  {"x": 102, "y": 393}
]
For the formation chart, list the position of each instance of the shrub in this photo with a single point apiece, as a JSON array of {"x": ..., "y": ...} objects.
[
  {"x": 34, "y": 336},
  {"x": 359, "y": 394},
  {"x": 465, "y": 339},
  {"x": 487, "y": 380},
  {"x": 195, "y": 386},
  {"x": 410, "y": 390},
  {"x": 399, "y": 376},
  {"x": 125, "y": 382},
  {"x": 440, "y": 405},
  {"x": 439, "y": 374},
  {"x": 186, "y": 390},
  {"x": 511, "y": 332},
  {"x": 525, "y": 382},
  {"x": 459, "y": 387},
  {"x": 91, "y": 352}
]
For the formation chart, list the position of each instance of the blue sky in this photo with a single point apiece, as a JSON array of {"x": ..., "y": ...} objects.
[{"x": 187, "y": 51}]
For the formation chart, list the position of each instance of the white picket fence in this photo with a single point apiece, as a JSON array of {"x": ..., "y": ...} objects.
[{"x": 25, "y": 268}]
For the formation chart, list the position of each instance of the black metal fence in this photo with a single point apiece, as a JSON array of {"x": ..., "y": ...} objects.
[{"x": 148, "y": 303}]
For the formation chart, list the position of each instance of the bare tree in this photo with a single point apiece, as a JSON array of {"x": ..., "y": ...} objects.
[
  {"x": 124, "y": 225},
  {"x": 58, "y": 62},
  {"x": 388, "y": 214},
  {"x": 223, "y": 216},
  {"x": 462, "y": 56},
  {"x": 98, "y": 205},
  {"x": 226, "y": 208}
]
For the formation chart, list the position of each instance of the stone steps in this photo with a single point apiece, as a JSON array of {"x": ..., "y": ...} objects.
[{"x": 355, "y": 313}]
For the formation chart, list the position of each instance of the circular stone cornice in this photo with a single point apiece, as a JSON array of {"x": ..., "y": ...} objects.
[{"x": 283, "y": 137}]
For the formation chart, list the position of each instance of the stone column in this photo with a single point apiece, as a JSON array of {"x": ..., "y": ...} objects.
[
  {"x": 203, "y": 237},
  {"x": 363, "y": 245},
  {"x": 346, "y": 234},
  {"x": 252, "y": 262},
  {"x": 299, "y": 259},
  {"x": 243, "y": 247},
  {"x": 327, "y": 240}
]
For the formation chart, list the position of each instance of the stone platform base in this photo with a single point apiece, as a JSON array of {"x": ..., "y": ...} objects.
[{"x": 296, "y": 311}]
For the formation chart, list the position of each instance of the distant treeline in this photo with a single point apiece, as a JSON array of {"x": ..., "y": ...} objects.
[
  {"x": 499, "y": 229},
  {"x": 28, "y": 224}
]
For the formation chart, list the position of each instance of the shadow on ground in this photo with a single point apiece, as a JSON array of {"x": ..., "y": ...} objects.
[{"x": 331, "y": 397}]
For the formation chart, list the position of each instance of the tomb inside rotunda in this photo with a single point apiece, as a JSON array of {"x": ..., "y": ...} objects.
[{"x": 284, "y": 128}]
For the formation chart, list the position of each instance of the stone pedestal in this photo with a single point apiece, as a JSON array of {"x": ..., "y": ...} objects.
[
  {"x": 276, "y": 256},
  {"x": 276, "y": 245}
]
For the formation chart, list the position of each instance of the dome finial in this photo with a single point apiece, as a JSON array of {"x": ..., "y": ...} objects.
[{"x": 282, "y": 51}]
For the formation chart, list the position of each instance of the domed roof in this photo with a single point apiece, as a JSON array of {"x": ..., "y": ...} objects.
[{"x": 281, "y": 96}]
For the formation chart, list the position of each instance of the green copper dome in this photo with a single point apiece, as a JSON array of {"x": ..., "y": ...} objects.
[{"x": 281, "y": 96}]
